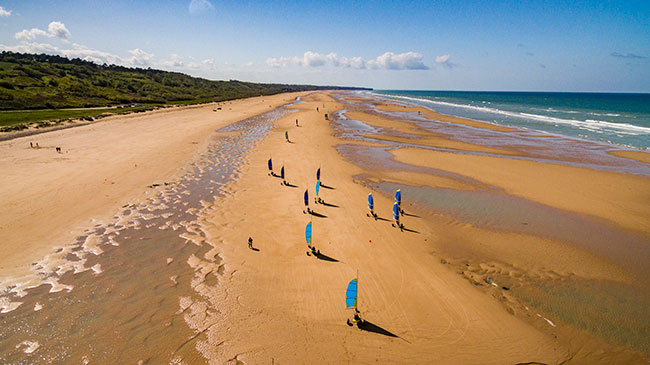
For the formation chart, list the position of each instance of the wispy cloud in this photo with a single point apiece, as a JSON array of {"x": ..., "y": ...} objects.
[
  {"x": 199, "y": 6},
  {"x": 627, "y": 55},
  {"x": 445, "y": 61},
  {"x": 278, "y": 61},
  {"x": 387, "y": 61},
  {"x": 54, "y": 30},
  {"x": 4, "y": 12}
]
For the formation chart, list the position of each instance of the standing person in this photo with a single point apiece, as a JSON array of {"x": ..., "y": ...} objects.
[
  {"x": 296, "y": 122},
  {"x": 286, "y": 135},
  {"x": 31, "y": 144},
  {"x": 250, "y": 242}
]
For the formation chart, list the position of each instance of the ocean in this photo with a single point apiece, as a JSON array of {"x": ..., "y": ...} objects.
[{"x": 613, "y": 118}]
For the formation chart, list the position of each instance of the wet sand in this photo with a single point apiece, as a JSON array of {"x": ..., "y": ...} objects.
[{"x": 491, "y": 266}]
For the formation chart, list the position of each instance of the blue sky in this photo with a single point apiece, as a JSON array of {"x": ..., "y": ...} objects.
[{"x": 434, "y": 45}]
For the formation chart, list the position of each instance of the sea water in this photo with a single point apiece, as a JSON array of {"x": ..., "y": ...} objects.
[{"x": 614, "y": 118}]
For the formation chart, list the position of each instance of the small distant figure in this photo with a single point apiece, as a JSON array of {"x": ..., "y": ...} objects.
[
  {"x": 317, "y": 109},
  {"x": 250, "y": 242},
  {"x": 37, "y": 147},
  {"x": 58, "y": 149},
  {"x": 326, "y": 116},
  {"x": 31, "y": 144},
  {"x": 296, "y": 122},
  {"x": 286, "y": 136}
]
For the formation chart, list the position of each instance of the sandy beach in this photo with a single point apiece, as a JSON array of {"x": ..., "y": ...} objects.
[{"x": 504, "y": 258}]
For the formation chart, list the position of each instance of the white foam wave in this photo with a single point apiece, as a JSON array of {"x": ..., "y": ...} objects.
[
  {"x": 30, "y": 346},
  {"x": 589, "y": 124}
]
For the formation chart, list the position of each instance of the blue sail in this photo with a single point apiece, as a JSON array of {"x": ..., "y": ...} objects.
[
  {"x": 398, "y": 197},
  {"x": 351, "y": 294},
  {"x": 308, "y": 233},
  {"x": 317, "y": 187},
  {"x": 318, "y": 174},
  {"x": 282, "y": 172},
  {"x": 395, "y": 211},
  {"x": 371, "y": 202},
  {"x": 270, "y": 165},
  {"x": 306, "y": 197}
]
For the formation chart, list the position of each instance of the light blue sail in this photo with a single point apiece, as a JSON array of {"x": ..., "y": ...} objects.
[
  {"x": 351, "y": 294},
  {"x": 317, "y": 187},
  {"x": 371, "y": 202},
  {"x": 395, "y": 211},
  {"x": 308, "y": 232}
]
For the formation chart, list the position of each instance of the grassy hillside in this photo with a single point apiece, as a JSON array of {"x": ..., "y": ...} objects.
[{"x": 30, "y": 81}]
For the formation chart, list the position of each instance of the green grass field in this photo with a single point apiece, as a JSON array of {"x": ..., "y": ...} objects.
[{"x": 18, "y": 119}]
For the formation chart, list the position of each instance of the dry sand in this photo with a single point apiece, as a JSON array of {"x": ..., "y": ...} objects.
[
  {"x": 426, "y": 298},
  {"x": 49, "y": 198},
  {"x": 281, "y": 305}
]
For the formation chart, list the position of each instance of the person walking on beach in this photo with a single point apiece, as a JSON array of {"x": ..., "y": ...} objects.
[
  {"x": 286, "y": 135},
  {"x": 296, "y": 122},
  {"x": 250, "y": 242}
]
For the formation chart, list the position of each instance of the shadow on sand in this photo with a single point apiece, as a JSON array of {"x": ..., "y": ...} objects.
[
  {"x": 330, "y": 205},
  {"x": 411, "y": 215},
  {"x": 326, "y": 187},
  {"x": 255, "y": 249},
  {"x": 371, "y": 327},
  {"x": 290, "y": 185},
  {"x": 320, "y": 256},
  {"x": 315, "y": 214}
]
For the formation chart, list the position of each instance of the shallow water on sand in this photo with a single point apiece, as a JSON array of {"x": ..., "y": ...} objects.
[
  {"x": 501, "y": 212},
  {"x": 118, "y": 294},
  {"x": 617, "y": 312}
]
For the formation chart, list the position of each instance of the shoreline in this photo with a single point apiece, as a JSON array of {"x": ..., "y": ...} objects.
[
  {"x": 450, "y": 288},
  {"x": 628, "y": 152},
  {"x": 246, "y": 274},
  {"x": 119, "y": 156}
]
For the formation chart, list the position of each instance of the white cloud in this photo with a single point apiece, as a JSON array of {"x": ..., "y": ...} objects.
[
  {"x": 140, "y": 58},
  {"x": 4, "y": 12},
  {"x": 208, "y": 63},
  {"x": 445, "y": 60},
  {"x": 199, "y": 6},
  {"x": 387, "y": 61},
  {"x": 175, "y": 61},
  {"x": 76, "y": 51},
  {"x": 402, "y": 61},
  {"x": 58, "y": 29},
  {"x": 30, "y": 34},
  {"x": 278, "y": 62},
  {"x": 313, "y": 59},
  {"x": 54, "y": 29}
]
